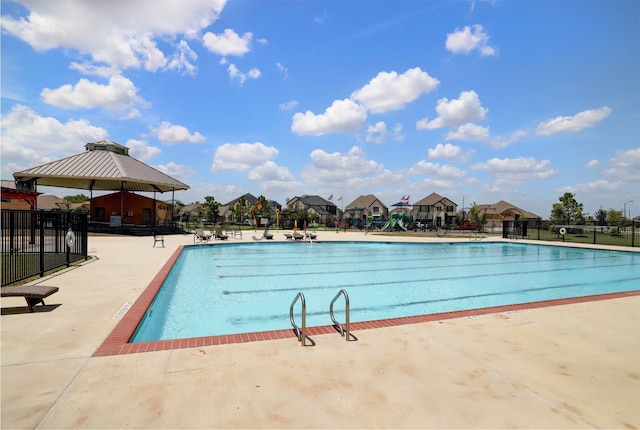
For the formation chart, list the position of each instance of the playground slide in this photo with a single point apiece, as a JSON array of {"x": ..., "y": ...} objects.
[
  {"x": 401, "y": 224},
  {"x": 387, "y": 225}
]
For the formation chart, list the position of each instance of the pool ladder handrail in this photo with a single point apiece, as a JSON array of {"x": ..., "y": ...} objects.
[
  {"x": 346, "y": 331},
  {"x": 301, "y": 333}
]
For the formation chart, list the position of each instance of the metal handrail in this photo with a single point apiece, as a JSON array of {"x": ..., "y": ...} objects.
[
  {"x": 301, "y": 333},
  {"x": 343, "y": 331}
]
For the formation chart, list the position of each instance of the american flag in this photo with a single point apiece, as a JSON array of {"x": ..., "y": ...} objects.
[
  {"x": 405, "y": 199},
  {"x": 330, "y": 197}
]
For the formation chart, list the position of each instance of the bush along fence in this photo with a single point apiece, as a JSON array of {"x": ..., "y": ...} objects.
[
  {"x": 34, "y": 242},
  {"x": 628, "y": 235}
]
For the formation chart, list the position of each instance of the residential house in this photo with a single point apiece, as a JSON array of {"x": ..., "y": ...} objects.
[
  {"x": 365, "y": 206},
  {"x": 504, "y": 211},
  {"x": 47, "y": 202},
  {"x": 320, "y": 210},
  {"x": 230, "y": 211},
  {"x": 190, "y": 212},
  {"x": 435, "y": 210}
]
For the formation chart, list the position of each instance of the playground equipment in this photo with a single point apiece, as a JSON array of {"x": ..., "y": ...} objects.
[{"x": 396, "y": 220}]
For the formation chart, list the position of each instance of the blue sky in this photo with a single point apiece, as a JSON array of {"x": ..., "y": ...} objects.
[{"x": 478, "y": 101}]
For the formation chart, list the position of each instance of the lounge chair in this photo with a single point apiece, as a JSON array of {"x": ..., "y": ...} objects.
[
  {"x": 268, "y": 236},
  {"x": 310, "y": 236},
  {"x": 298, "y": 236},
  {"x": 33, "y": 294},
  {"x": 218, "y": 234},
  {"x": 288, "y": 236},
  {"x": 158, "y": 239},
  {"x": 200, "y": 236}
]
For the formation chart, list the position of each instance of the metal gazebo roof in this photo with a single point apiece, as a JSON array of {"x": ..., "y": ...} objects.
[{"x": 105, "y": 165}]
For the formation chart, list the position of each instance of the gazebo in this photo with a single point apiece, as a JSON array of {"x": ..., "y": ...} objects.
[{"x": 105, "y": 165}]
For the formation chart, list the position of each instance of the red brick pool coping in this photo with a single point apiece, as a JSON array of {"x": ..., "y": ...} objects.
[{"x": 117, "y": 343}]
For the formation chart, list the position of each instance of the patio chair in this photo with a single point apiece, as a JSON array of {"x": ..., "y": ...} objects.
[
  {"x": 200, "y": 236},
  {"x": 298, "y": 236},
  {"x": 158, "y": 239},
  {"x": 33, "y": 294},
  {"x": 218, "y": 234}
]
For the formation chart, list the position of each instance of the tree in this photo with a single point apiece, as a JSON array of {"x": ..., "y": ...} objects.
[
  {"x": 78, "y": 198},
  {"x": 615, "y": 217},
  {"x": 240, "y": 209},
  {"x": 477, "y": 216},
  {"x": 568, "y": 211},
  {"x": 601, "y": 217},
  {"x": 210, "y": 207},
  {"x": 261, "y": 209}
]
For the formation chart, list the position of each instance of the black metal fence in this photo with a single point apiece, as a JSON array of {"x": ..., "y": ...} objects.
[
  {"x": 36, "y": 242},
  {"x": 627, "y": 235}
]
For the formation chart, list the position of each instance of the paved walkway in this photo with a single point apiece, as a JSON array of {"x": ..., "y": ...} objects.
[{"x": 573, "y": 366}]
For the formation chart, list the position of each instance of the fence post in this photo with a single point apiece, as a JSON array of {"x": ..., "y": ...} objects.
[
  {"x": 39, "y": 221},
  {"x": 594, "y": 234}
]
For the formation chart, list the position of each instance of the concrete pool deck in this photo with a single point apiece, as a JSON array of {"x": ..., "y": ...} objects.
[{"x": 570, "y": 366}]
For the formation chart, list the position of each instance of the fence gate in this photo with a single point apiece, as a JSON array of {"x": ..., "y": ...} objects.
[{"x": 34, "y": 242}]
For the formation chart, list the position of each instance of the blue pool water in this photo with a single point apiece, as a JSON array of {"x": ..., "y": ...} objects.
[{"x": 248, "y": 287}]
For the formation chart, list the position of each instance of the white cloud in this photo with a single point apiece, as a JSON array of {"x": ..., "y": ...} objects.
[
  {"x": 377, "y": 133},
  {"x": 241, "y": 156},
  {"x": 454, "y": 113},
  {"x": 119, "y": 94},
  {"x": 234, "y": 73},
  {"x": 288, "y": 105},
  {"x": 600, "y": 186},
  {"x": 389, "y": 91},
  {"x": 171, "y": 134},
  {"x": 625, "y": 165},
  {"x": 33, "y": 139},
  {"x": 141, "y": 150},
  {"x": 270, "y": 172},
  {"x": 348, "y": 171},
  {"x": 178, "y": 171},
  {"x": 514, "y": 171},
  {"x": 441, "y": 171},
  {"x": 570, "y": 124},
  {"x": 449, "y": 152},
  {"x": 343, "y": 116},
  {"x": 479, "y": 133},
  {"x": 593, "y": 164},
  {"x": 227, "y": 43},
  {"x": 397, "y": 133},
  {"x": 183, "y": 59},
  {"x": 283, "y": 70},
  {"x": 500, "y": 142},
  {"x": 470, "y": 131},
  {"x": 93, "y": 70},
  {"x": 121, "y": 34},
  {"x": 469, "y": 38}
]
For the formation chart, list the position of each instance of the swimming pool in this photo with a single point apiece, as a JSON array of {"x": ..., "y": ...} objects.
[{"x": 248, "y": 287}]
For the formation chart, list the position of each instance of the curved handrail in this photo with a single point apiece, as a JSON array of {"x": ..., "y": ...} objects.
[
  {"x": 343, "y": 331},
  {"x": 300, "y": 332}
]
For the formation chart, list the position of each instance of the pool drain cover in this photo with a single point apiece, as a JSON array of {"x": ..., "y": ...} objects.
[{"x": 201, "y": 351}]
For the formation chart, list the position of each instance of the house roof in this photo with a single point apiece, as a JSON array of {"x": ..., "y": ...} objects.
[
  {"x": 503, "y": 206},
  {"x": 192, "y": 208},
  {"x": 315, "y": 201},
  {"x": 250, "y": 198},
  {"x": 49, "y": 202},
  {"x": 105, "y": 165},
  {"x": 365, "y": 201},
  {"x": 430, "y": 200}
]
